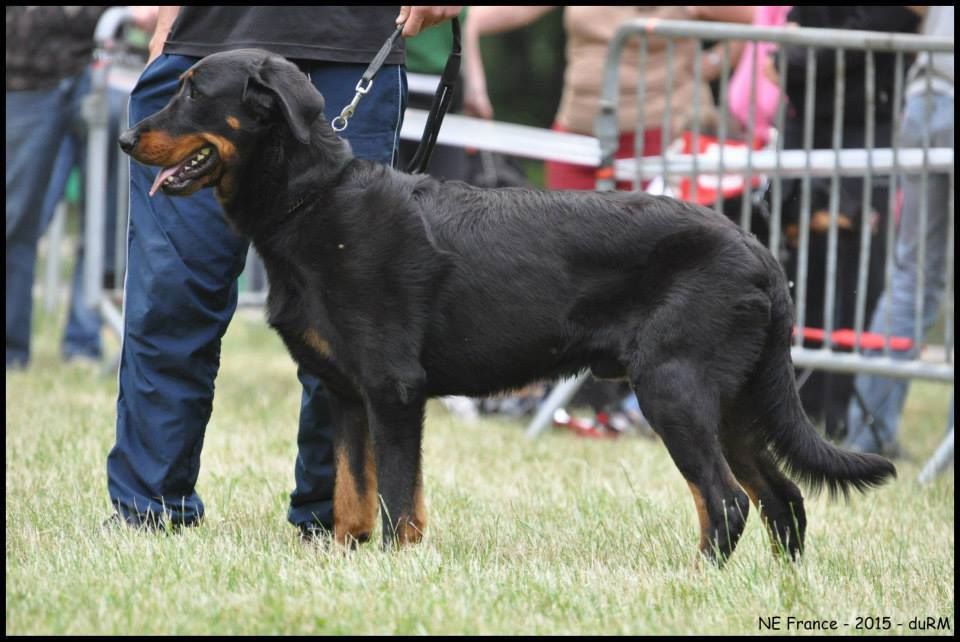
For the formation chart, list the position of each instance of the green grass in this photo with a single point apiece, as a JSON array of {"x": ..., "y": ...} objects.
[{"x": 556, "y": 536}]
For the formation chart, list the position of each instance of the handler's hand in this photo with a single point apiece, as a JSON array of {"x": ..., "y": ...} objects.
[{"x": 417, "y": 18}]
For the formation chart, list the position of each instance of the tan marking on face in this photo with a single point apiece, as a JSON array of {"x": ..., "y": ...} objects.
[
  {"x": 226, "y": 149},
  {"x": 318, "y": 343},
  {"x": 233, "y": 122},
  {"x": 161, "y": 149},
  {"x": 354, "y": 513}
]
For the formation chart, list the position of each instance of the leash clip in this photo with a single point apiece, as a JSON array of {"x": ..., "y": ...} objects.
[{"x": 340, "y": 122}]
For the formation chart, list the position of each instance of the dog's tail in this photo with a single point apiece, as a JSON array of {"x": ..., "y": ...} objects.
[{"x": 793, "y": 440}]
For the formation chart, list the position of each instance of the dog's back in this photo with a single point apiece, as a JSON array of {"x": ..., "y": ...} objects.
[{"x": 559, "y": 281}]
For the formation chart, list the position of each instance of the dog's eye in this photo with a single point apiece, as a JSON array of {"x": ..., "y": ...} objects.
[{"x": 191, "y": 91}]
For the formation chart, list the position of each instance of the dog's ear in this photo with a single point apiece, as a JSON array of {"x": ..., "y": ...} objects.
[{"x": 281, "y": 82}]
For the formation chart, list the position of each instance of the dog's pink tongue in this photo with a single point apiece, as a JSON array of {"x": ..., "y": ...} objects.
[{"x": 162, "y": 176}]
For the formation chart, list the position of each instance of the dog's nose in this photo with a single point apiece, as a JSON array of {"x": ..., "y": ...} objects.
[{"x": 128, "y": 140}]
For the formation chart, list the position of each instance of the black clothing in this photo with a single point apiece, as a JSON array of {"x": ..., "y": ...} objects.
[
  {"x": 879, "y": 18},
  {"x": 351, "y": 34},
  {"x": 47, "y": 44}
]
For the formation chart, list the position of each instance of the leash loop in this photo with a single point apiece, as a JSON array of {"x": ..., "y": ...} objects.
[
  {"x": 441, "y": 103},
  {"x": 441, "y": 100},
  {"x": 340, "y": 122}
]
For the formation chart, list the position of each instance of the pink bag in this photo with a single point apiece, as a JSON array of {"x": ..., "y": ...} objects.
[{"x": 768, "y": 94}]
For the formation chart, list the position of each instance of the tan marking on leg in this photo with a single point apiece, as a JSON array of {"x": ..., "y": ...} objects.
[
  {"x": 315, "y": 341},
  {"x": 410, "y": 530},
  {"x": 754, "y": 496},
  {"x": 354, "y": 513},
  {"x": 371, "y": 500},
  {"x": 702, "y": 515}
]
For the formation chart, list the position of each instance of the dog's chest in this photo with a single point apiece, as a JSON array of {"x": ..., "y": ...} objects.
[
  {"x": 300, "y": 320},
  {"x": 310, "y": 346}
]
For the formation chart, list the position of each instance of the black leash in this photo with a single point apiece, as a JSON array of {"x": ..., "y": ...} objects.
[{"x": 441, "y": 100}]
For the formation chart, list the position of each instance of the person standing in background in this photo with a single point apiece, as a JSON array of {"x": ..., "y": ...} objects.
[
  {"x": 873, "y": 425},
  {"x": 589, "y": 30},
  {"x": 48, "y": 53}
]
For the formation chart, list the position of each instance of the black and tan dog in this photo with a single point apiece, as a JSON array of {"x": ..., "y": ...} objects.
[{"x": 394, "y": 288}]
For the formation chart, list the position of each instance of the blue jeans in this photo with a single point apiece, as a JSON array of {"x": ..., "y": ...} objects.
[
  {"x": 179, "y": 296},
  {"x": 82, "y": 334},
  {"x": 46, "y": 138},
  {"x": 883, "y": 397},
  {"x": 38, "y": 123}
]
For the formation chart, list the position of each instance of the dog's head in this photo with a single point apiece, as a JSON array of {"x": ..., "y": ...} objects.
[{"x": 224, "y": 106}]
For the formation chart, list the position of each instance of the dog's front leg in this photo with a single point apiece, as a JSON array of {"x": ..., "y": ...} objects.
[
  {"x": 355, "y": 489},
  {"x": 396, "y": 422}
]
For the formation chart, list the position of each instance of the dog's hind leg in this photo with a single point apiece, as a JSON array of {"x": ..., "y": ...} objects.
[
  {"x": 684, "y": 410},
  {"x": 396, "y": 422},
  {"x": 776, "y": 497},
  {"x": 355, "y": 487}
]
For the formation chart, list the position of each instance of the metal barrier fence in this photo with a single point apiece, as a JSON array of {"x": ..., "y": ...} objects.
[
  {"x": 807, "y": 163},
  {"x": 776, "y": 164}
]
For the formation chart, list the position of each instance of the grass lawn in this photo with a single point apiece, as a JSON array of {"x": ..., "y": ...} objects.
[{"x": 561, "y": 535}]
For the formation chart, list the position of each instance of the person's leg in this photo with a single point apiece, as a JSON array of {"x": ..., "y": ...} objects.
[
  {"x": 179, "y": 296},
  {"x": 374, "y": 134},
  {"x": 81, "y": 337},
  {"x": 874, "y": 412},
  {"x": 36, "y": 123}
]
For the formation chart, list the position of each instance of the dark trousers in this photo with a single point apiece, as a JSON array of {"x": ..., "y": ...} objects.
[{"x": 179, "y": 296}]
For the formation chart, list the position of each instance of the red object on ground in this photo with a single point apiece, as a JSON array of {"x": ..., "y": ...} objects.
[
  {"x": 844, "y": 338},
  {"x": 585, "y": 427}
]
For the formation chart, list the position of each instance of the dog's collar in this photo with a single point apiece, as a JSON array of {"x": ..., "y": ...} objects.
[{"x": 310, "y": 194}]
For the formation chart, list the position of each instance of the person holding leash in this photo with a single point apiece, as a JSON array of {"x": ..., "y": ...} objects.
[{"x": 181, "y": 286}]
